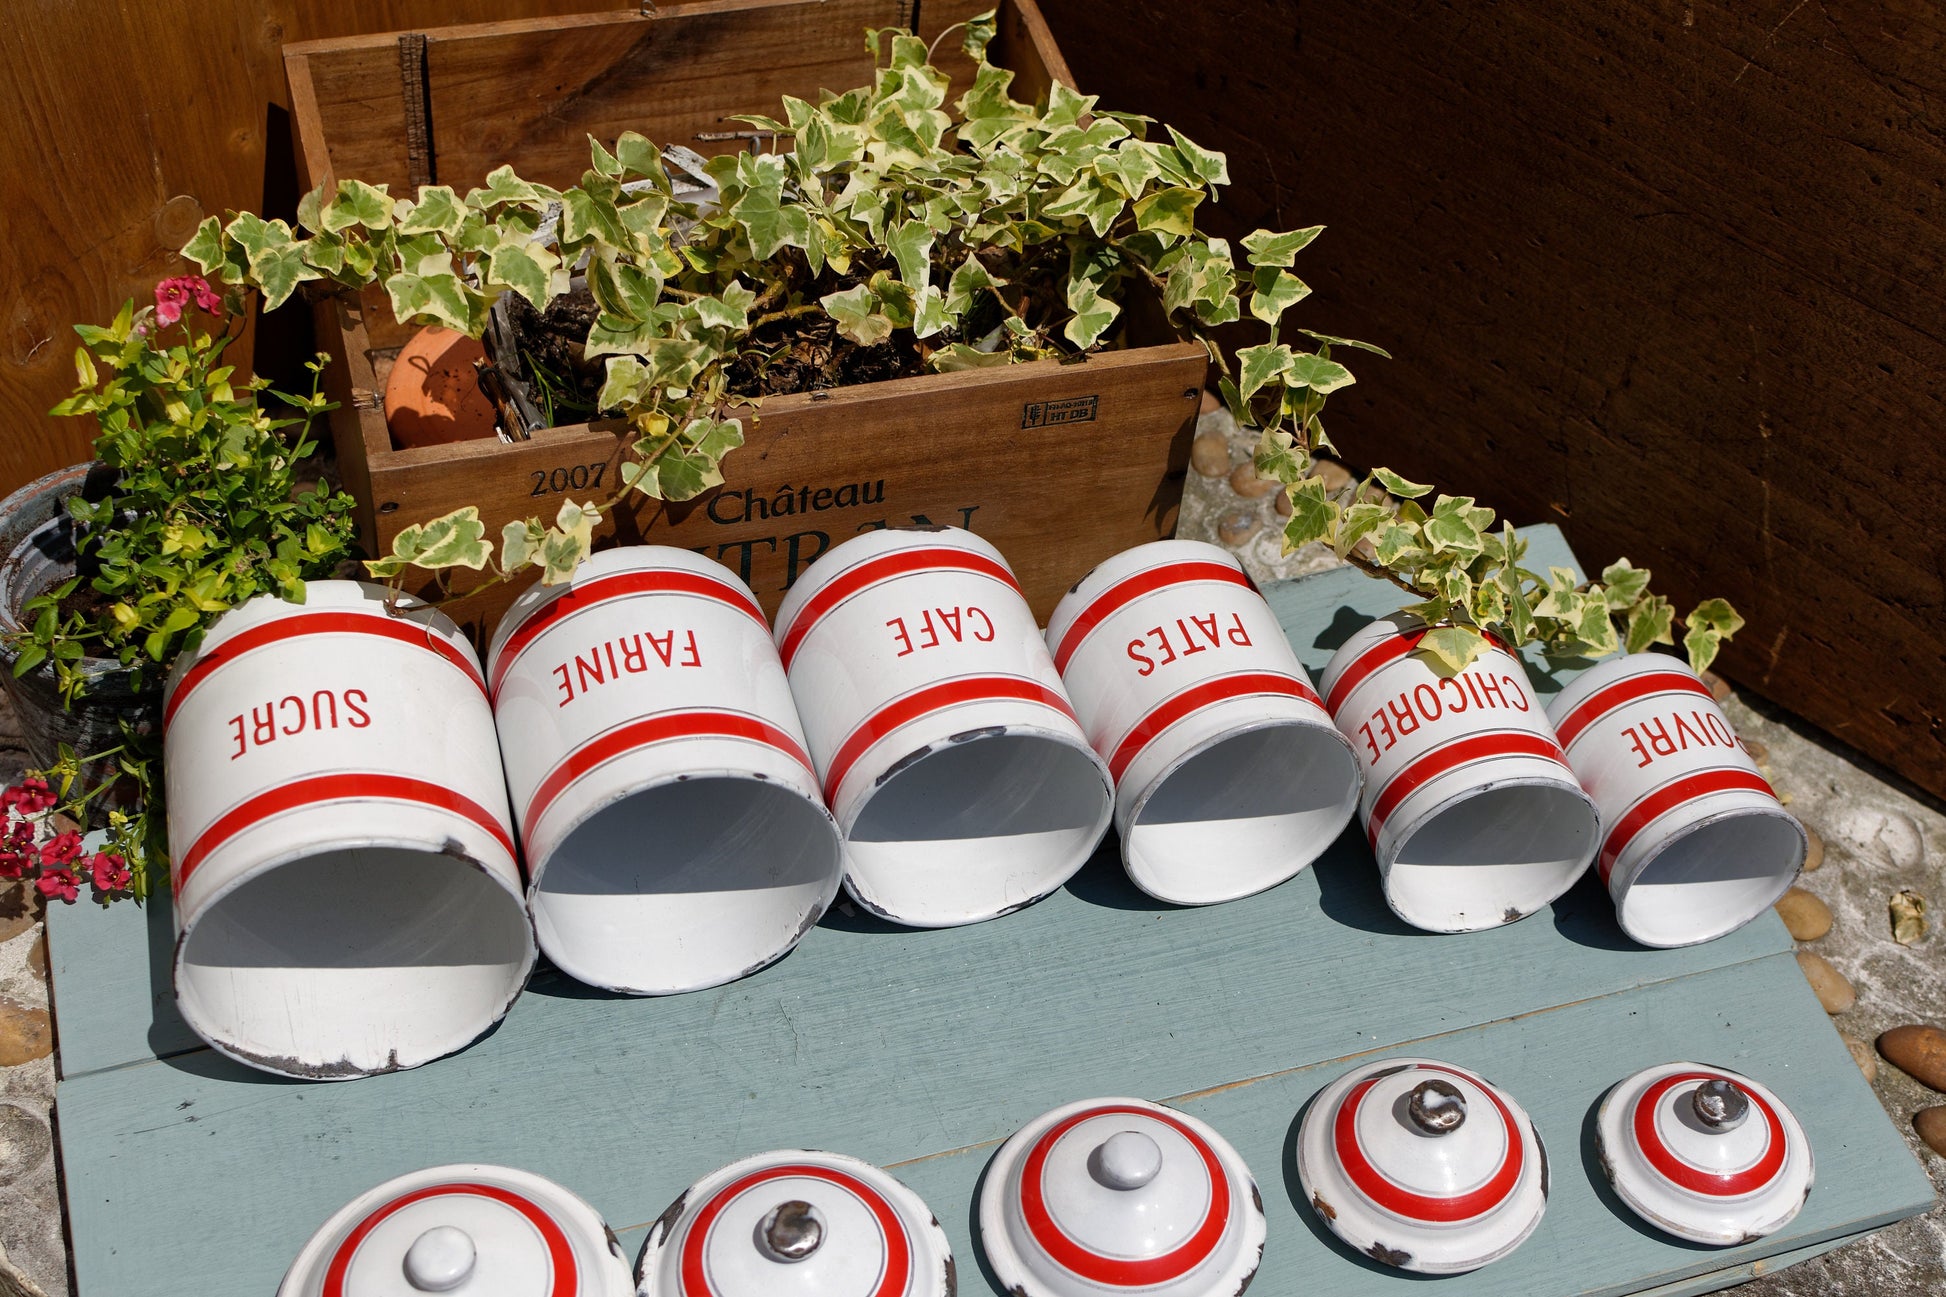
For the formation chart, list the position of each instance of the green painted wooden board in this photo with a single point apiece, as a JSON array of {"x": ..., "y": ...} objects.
[{"x": 922, "y": 1050}]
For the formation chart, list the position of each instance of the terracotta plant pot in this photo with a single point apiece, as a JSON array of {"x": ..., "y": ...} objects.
[
  {"x": 433, "y": 396},
  {"x": 37, "y": 554}
]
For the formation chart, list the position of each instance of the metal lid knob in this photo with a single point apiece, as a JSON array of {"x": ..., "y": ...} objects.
[
  {"x": 1437, "y": 1107},
  {"x": 440, "y": 1260},
  {"x": 1720, "y": 1105},
  {"x": 1128, "y": 1159},
  {"x": 790, "y": 1231}
]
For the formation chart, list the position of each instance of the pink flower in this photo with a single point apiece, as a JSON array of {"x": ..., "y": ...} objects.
[
  {"x": 108, "y": 872},
  {"x": 12, "y": 864},
  {"x": 171, "y": 295},
  {"x": 30, "y": 797},
  {"x": 59, "y": 882},
  {"x": 61, "y": 849}
]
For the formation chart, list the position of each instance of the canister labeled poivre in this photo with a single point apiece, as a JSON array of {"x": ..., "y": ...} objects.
[
  {"x": 1696, "y": 843},
  {"x": 671, "y": 821},
  {"x": 469, "y": 1230},
  {"x": 344, "y": 868},
  {"x": 1229, "y": 775},
  {"x": 797, "y": 1224},
  {"x": 948, "y": 750},
  {"x": 1469, "y": 803}
]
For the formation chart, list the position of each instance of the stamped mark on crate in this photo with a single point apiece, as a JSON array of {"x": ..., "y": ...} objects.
[
  {"x": 575, "y": 477},
  {"x": 1045, "y": 414}
]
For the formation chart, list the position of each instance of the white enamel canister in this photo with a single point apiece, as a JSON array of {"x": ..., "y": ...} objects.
[
  {"x": 1469, "y": 803},
  {"x": 468, "y": 1230},
  {"x": 1229, "y": 775},
  {"x": 947, "y": 747},
  {"x": 345, "y": 879},
  {"x": 1696, "y": 843},
  {"x": 668, "y": 812}
]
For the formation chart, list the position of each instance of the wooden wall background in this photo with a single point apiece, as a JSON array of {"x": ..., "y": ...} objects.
[{"x": 1668, "y": 274}]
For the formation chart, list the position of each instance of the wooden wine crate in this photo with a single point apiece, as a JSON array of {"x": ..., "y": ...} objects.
[
  {"x": 922, "y": 1050},
  {"x": 1059, "y": 464}
]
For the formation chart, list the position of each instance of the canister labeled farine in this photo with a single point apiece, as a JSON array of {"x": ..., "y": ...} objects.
[
  {"x": 345, "y": 877},
  {"x": 947, "y": 747},
  {"x": 1229, "y": 775},
  {"x": 1469, "y": 803},
  {"x": 668, "y": 811},
  {"x": 1696, "y": 843}
]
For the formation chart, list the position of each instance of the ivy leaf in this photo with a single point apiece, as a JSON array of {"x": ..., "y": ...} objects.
[
  {"x": 1359, "y": 521},
  {"x": 525, "y": 268},
  {"x": 1206, "y": 165},
  {"x": 1710, "y": 623},
  {"x": 1330, "y": 341},
  {"x": 910, "y": 243},
  {"x": 1276, "y": 291},
  {"x": 857, "y": 315},
  {"x": 957, "y": 356},
  {"x": 278, "y": 272},
  {"x": 1313, "y": 513},
  {"x": 520, "y": 544},
  {"x": 357, "y": 204},
  {"x": 713, "y": 438},
  {"x": 504, "y": 188},
  {"x": 206, "y": 248},
  {"x": 452, "y": 540},
  {"x": 769, "y": 225},
  {"x": 1257, "y": 366},
  {"x": 584, "y": 216},
  {"x": 674, "y": 475},
  {"x": 639, "y": 157},
  {"x": 969, "y": 281},
  {"x": 1279, "y": 458},
  {"x": 1453, "y": 527},
  {"x": 1399, "y": 486},
  {"x": 930, "y": 315},
  {"x": 1262, "y": 248},
  {"x": 1320, "y": 375},
  {"x": 1596, "y": 629},
  {"x": 1624, "y": 584},
  {"x": 438, "y": 211},
  {"x": 1168, "y": 211},
  {"x": 1091, "y": 198},
  {"x": 1449, "y": 650},
  {"x": 1093, "y": 313},
  {"x": 1651, "y": 621}
]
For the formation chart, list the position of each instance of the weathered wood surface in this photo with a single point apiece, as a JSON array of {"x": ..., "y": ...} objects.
[
  {"x": 127, "y": 124},
  {"x": 1665, "y": 272},
  {"x": 923, "y": 1049}
]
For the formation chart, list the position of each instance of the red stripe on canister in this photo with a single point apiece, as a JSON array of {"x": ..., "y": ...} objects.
[
  {"x": 1609, "y": 697},
  {"x": 1450, "y": 757},
  {"x": 1112, "y": 1271},
  {"x": 1129, "y": 589},
  {"x": 884, "y": 567},
  {"x": 400, "y": 629},
  {"x": 1667, "y": 798},
  {"x": 894, "y": 1277},
  {"x": 1717, "y": 1184},
  {"x": 1401, "y": 1201},
  {"x": 1382, "y": 654},
  {"x": 343, "y": 786},
  {"x": 624, "y": 739},
  {"x": 934, "y": 698},
  {"x": 1194, "y": 699},
  {"x": 617, "y": 585},
  {"x": 566, "y": 1275}
]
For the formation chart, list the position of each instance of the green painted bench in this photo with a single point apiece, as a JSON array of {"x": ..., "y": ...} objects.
[{"x": 921, "y": 1051}]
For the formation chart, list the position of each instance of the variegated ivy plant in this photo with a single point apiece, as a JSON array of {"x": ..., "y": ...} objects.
[{"x": 997, "y": 233}]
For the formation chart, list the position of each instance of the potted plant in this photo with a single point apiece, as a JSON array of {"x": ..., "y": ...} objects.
[{"x": 192, "y": 506}]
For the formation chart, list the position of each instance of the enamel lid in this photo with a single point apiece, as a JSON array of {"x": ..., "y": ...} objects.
[
  {"x": 465, "y": 1231},
  {"x": 794, "y": 1223},
  {"x": 1120, "y": 1195},
  {"x": 1704, "y": 1153},
  {"x": 1422, "y": 1165}
]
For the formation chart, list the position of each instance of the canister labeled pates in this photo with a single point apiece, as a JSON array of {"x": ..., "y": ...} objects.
[
  {"x": 1696, "y": 843},
  {"x": 469, "y": 1230},
  {"x": 671, "y": 821},
  {"x": 1469, "y": 803},
  {"x": 344, "y": 867},
  {"x": 1229, "y": 774},
  {"x": 797, "y": 1224},
  {"x": 948, "y": 750}
]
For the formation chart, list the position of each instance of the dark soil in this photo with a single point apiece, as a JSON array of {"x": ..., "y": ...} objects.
[
  {"x": 805, "y": 354},
  {"x": 550, "y": 352},
  {"x": 87, "y": 602}
]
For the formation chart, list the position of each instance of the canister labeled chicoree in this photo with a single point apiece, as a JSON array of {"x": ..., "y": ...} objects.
[
  {"x": 1469, "y": 803},
  {"x": 1229, "y": 775},
  {"x": 948, "y": 750},
  {"x": 344, "y": 868},
  {"x": 1696, "y": 843},
  {"x": 671, "y": 821},
  {"x": 472, "y": 1230}
]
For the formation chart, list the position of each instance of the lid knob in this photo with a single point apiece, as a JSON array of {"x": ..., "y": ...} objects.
[
  {"x": 1127, "y": 1159},
  {"x": 1437, "y": 1107},
  {"x": 1719, "y": 1105},
  {"x": 790, "y": 1231},
  {"x": 440, "y": 1260}
]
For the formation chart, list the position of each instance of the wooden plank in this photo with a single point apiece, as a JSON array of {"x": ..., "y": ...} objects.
[
  {"x": 117, "y": 979},
  {"x": 1664, "y": 210}
]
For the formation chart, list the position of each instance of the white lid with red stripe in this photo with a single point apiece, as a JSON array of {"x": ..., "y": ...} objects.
[
  {"x": 465, "y": 1231},
  {"x": 1422, "y": 1165},
  {"x": 1230, "y": 776},
  {"x": 1120, "y": 1195},
  {"x": 794, "y": 1222},
  {"x": 1704, "y": 1153}
]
